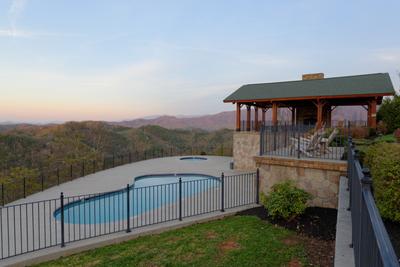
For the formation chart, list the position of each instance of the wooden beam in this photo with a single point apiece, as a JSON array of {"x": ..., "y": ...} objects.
[
  {"x": 274, "y": 113},
  {"x": 263, "y": 111},
  {"x": 248, "y": 119},
  {"x": 293, "y": 115},
  {"x": 372, "y": 113},
  {"x": 238, "y": 106},
  {"x": 320, "y": 106},
  {"x": 256, "y": 118}
]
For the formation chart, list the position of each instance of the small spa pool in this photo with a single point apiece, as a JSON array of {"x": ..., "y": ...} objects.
[
  {"x": 193, "y": 158},
  {"x": 148, "y": 193}
]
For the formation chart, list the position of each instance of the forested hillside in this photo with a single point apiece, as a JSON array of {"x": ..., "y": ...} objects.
[{"x": 32, "y": 151}]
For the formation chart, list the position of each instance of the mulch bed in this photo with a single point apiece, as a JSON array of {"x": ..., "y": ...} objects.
[
  {"x": 316, "y": 227},
  {"x": 393, "y": 229}
]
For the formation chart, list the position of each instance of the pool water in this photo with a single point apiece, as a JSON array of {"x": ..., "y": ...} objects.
[{"x": 148, "y": 193}]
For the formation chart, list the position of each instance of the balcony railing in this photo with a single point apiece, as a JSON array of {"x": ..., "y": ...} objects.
[{"x": 303, "y": 141}]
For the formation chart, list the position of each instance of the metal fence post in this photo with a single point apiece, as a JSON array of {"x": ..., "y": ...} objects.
[
  {"x": 261, "y": 140},
  {"x": 83, "y": 168},
  {"x": 2, "y": 194},
  {"x": 70, "y": 171},
  {"x": 180, "y": 199},
  {"x": 258, "y": 186},
  {"x": 62, "y": 219},
  {"x": 298, "y": 144},
  {"x": 94, "y": 166},
  {"x": 42, "y": 178},
  {"x": 128, "y": 228},
  {"x": 58, "y": 176},
  {"x": 24, "y": 187},
  {"x": 222, "y": 192}
]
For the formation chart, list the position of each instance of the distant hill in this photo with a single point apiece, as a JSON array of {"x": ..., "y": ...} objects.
[
  {"x": 45, "y": 145},
  {"x": 226, "y": 120},
  {"x": 206, "y": 122}
]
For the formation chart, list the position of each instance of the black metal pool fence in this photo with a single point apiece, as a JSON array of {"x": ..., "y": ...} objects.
[
  {"x": 370, "y": 240},
  {"x": 33, "y": 226}
]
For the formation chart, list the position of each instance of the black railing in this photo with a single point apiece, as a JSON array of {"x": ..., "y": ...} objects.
[
  {"x": 63, "y": 172},
  {"x": 38, "y": 225},
  {"x": 303, "y": 141},
  {"x": 370, "y": 240},
  {"x": 256, "y": 127}
]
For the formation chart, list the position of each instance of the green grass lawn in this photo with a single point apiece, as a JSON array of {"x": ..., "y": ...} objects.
[{"x": 233, "y": 241}]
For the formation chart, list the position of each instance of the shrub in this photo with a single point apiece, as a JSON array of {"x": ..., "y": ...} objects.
[
  {"x": 383, "y": 159},
  {"x": 397, "y": 134},
  {"x": 286, "y": 201},
  {"x": 359, "y": 132},
  {"x": 381, "y": 127},
  {"x": 388, "y": 113}
]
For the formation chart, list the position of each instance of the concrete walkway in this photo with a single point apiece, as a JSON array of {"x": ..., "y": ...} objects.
[
  {"x": 117, "y": 178},
  {"x": 344, "y": 255}
]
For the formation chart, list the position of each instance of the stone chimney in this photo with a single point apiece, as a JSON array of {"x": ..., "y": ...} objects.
[{"x": 313, "y": 76}]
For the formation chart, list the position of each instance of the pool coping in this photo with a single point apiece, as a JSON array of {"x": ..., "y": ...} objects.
[
  {"x": 53, "y": 253},
  {"x": 100, "y": 194}
]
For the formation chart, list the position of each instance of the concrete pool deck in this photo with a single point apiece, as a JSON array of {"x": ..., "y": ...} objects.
[
  {"x": 117, "y": 178},
  {"x": 237, "y": 198}
]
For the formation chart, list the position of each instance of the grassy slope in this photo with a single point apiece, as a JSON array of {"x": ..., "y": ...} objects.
[{"x": 233, "y": 241}]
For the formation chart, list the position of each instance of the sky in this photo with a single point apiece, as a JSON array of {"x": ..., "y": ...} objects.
[{"x": 116, "y": 60}]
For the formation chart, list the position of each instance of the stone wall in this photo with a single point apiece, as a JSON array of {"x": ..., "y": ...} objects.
[
  {"x": 318, "y": 177},
  {"x": 246, "y": 145}
]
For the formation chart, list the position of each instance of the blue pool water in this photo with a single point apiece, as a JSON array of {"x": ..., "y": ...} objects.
[{"x": 148, "y": 192}]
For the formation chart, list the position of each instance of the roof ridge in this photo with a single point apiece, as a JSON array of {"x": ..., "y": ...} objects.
[{"x": 329, "y": 78}]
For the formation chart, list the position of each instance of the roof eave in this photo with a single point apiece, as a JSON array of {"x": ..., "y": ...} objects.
[{"x": 310, "y": 97}]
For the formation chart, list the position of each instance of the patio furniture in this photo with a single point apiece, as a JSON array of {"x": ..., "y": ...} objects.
[
  {"x": 307, "y": 146},
  {"x": 326, "y": 141}
]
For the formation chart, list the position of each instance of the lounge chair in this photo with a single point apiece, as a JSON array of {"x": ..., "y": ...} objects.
[
  {"x": 307, "y": 146},
  {"x": 324, "y": 148}
]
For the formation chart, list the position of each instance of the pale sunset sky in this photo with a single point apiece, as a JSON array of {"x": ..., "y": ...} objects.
[{"x": 115, "y": 60}]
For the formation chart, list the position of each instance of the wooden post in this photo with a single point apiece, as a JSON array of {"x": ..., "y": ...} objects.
[
  {"x": 329, "y": 118},
  {"x": 256, "y": 118},
  {"x": 274, "y": 113},
  {"x": 372, "y": 113},
  {"x": 293, "y": 116},
  {"x": 238, "y": 117},
  {"x": 320, "y": 106},
  {"x": 263, "y": 111},
  {"x": 369, "y": 114},
  {"x": 248, "y": 118}
]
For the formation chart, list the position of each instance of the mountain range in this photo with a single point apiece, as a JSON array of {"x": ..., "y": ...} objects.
[{"x": 226, "y": 119}]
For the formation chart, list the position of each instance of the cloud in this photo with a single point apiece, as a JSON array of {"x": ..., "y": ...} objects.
[
  {"x": 387, "y": 55},
  {"x": 14, "y": 33},
  {"x": 15, "y": 11}
]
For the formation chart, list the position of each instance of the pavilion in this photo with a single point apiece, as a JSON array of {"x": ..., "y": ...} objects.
[{"x": 312, "y": 99}]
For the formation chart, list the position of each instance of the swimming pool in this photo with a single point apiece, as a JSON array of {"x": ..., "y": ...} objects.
[{"x": 148, "y": 193}]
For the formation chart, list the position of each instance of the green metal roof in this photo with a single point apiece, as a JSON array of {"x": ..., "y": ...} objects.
[{"x": 377, "y": 83}]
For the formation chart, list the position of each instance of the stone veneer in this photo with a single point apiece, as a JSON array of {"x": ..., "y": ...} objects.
[
  {"x": 318, "y": 177},
  {"x": 246, "y": 145}
]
